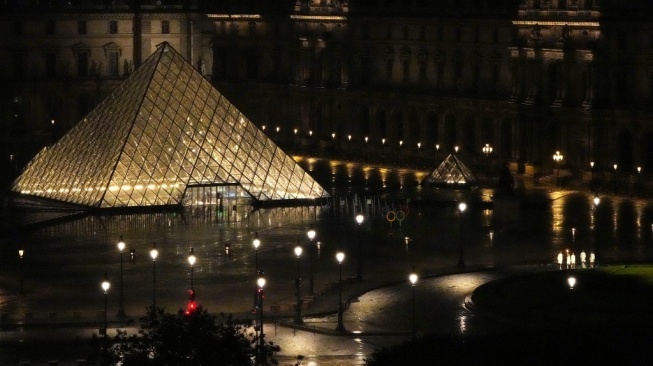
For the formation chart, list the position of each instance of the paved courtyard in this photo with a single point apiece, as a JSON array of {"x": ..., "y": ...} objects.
[{"x": 63, "y": 264}]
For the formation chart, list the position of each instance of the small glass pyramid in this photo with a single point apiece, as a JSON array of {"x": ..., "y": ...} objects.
[
  {"x": 164, "y": 129},
  {"x": 451, "y": 172}
]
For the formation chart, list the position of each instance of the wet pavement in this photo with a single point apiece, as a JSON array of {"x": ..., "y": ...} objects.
[{"x": 63, "y": 264}]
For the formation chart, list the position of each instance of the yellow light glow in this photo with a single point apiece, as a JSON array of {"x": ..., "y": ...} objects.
[
  {"x": 317, "y": 17},
  {"x": 551, "y": 23}
]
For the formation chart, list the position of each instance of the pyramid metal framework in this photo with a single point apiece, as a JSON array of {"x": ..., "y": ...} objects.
[
  {"x": 162, "y": 130},
  {"x": 451, "y": 171}
]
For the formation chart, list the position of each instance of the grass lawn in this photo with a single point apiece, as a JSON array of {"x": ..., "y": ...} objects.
[{"x": 614, "y": 294}]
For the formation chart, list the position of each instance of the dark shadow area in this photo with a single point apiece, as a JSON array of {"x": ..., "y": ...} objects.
[{"x": 561, "y": 347}]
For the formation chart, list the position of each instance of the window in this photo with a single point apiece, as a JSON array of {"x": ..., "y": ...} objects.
[
  {"x": 389, "y": 65},
  {"x": 113, "y": 63},
  {"x": 621, "y": 40},
  {"x": 82, "y": 63},
  {"x": 113, "y": 27},
  {"x": 49, "y": 27},
  {"x": 19, "y": 64},
  {"x": 50, "y": 65},
  {"x": 423, "y": 67},
  {"x": 165, "y": 27},
  {"x": 365, "y": 31},
  {"x": 406, "y": 71},
  {"x": 81, "y": 27},
  {"x": 18, "y": 28},
  {"x": 252, "y": 29}
]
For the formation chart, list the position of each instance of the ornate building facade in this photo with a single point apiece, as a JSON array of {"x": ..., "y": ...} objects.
[{"x": 406, "y": 77}]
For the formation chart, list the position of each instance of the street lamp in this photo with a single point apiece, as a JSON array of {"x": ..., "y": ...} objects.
[
  {"x": 121, "y": 304},
  {"x": 261, "y": 283},
  {"x": 154, "y": 253},
  {"x": 591, "y": 175},
  {"x": 21, "y": 252},
  {"x": 298, "y": 286},
  {"x": 413, "y": 280},
  {"x": 105, "y": 286},
  {"x": 557, "y": 158},
  {"x": 596, "y": 200},
  {"x": 359, "y": 273},
  {"x": 462, "y": 206},
  {"x": 340, "y": 256},
  {"x": 191, "y": 260},
  {"x": 256, "y": 242},
  {"x": 311, "y": 236},
  {"x": 487, "y": 150}
]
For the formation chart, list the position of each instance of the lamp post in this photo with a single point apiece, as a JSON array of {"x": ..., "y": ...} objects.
[
  {"x": 311, "y": 235},
  {"x": 191, "y": 260},
  {"x": 298, "y": 286},
  {"x": 615, "y": 166},
  {"x": 340, "y": 256},
  {"x": 596, "y": 200},
  {"x": 487, "y": 150},
  {"x": 462, "y": 206},
  {"x": 557, "y": 158},
  {"x": 413, "y": 280},
  {"x": 21, "y": 252},
  {"x": 592, "y": 175},
  {"x": 154, "y": 253},
  {"x": 359, "y": 273},
  {"x": 105, "y": 286},
  {"x": 261, "y": 283},
  {"x": 256, "y": 242},
  {"x": 121, "y": 304}
]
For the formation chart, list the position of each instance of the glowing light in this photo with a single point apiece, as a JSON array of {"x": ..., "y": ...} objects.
[{"x": 571, "y": 281}]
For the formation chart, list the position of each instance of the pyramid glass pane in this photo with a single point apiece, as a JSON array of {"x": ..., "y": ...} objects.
[{"x": 162, "y": 130}]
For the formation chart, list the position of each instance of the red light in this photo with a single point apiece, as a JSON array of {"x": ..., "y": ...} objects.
[{"x": 191, "y": 308}]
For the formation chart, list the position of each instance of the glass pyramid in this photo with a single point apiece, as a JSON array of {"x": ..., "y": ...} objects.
[
  {"x": 162, "y": 130},
  {"x": 451, "y": 171}
]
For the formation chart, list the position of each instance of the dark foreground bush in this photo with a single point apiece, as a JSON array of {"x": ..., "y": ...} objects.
[{"x": 194, "y": 339}]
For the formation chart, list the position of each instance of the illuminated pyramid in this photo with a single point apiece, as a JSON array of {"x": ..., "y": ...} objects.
[
  {"x": 164, "y": 129},
  {"x": 451, "y": 172}
]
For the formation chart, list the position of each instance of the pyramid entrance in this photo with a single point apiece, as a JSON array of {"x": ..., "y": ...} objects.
[
  {"x": 452, "y": 172},
  {"x": 160, "y": 139}
]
